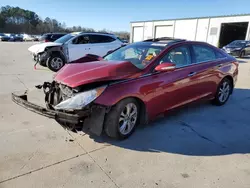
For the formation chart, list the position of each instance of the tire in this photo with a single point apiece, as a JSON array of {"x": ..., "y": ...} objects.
[
  {"x": 55, "y": 62},
  {"x": 242, "y": 54},
  {"x": 112, "y": 125},
  {"x": 225, "y": 86}
]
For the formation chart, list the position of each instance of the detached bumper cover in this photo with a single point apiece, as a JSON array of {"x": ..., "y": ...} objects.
[{"x": 57, "y": 115}]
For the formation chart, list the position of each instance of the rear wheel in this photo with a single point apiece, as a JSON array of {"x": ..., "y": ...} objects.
[
  {"x": 223, "y": 92},
  {"x": 122, "y": 119},
  {"x": 55, "y": 62},
  {"x": 242, "y": 54}
]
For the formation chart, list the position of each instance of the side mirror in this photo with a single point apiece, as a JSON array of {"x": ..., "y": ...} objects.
[
  {"x": 165, "y": 67},
  {"x": 248, "y": 45}
]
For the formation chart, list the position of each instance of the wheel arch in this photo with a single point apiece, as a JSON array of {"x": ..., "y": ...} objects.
[
  {"x": 55, "y": 50},
  {"x": 143, "y": 117}
]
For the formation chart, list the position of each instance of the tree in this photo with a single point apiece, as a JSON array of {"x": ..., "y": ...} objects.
[{"x": 18, "y": 20}]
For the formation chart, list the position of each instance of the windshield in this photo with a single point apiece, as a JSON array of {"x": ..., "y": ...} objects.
[
  {"x": 65, "y": 38},
  {"x": 238, "y": 43},
  {"x": 138, "y": 54}
]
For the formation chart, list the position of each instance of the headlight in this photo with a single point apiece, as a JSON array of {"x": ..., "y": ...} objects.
[{"x": 80, "y": 100}]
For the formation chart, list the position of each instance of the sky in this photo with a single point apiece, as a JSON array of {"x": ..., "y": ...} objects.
[{"x": 116, "y": 15}]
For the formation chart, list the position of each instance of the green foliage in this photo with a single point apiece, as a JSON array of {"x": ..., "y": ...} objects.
[{"x": 18, "y": 20}]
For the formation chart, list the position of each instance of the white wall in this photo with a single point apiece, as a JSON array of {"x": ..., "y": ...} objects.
[
  {"x": 194, "y": 29},
  {"x": 202, "y": 30},
  {"x": 164, "y": 23},
  {"x": 185, "y": 29},
  {"x": 133, "y": 25},
  {"x": 138, "y": 33},
  {"x": 164, "y": 31},
  {"x": 148, "y": 30}
]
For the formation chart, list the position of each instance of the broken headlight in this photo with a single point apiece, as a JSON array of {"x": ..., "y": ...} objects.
[{"x": 80, "y": 100}]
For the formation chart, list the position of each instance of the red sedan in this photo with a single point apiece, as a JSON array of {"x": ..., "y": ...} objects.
[{"x": 135, "y": 84}]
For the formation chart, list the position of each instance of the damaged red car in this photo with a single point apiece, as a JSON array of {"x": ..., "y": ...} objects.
[{"x": 134, "y": 84}]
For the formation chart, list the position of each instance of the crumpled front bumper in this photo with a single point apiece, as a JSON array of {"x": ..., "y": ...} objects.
[
  {"x": 91, "y": 118},
  {"x": 71, "y": 118},
  {"x": 41, "y": 58}
]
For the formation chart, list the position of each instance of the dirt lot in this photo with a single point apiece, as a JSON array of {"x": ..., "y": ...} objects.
[{"x": 198, "y": 146}]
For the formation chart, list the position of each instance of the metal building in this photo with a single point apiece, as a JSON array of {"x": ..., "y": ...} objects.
[{"x": 218, "y": 31}]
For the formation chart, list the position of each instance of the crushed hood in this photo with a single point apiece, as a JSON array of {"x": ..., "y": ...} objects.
[
  {"x": 77, "y": 74},
  {"x": 37, "y": 48}
]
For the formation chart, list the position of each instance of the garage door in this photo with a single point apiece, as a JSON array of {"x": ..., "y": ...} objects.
[
  {"x": 137, "y": 34},
  {"x": 164, "y": 31}
]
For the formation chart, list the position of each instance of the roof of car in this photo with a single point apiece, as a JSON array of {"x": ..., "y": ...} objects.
[
  {"x": 101, "y": 33},
  {"x": 163, "y": 41},
  {"x": 55, "y": 33}
]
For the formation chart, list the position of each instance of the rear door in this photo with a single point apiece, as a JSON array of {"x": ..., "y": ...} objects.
[
  {"x": 101, "y": 44},
  {"x": 79, "y": 47},
  {"x": 205, "y": 75}
]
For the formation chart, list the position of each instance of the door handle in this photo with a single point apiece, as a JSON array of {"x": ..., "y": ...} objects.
[{"x": 192, "y": 74}]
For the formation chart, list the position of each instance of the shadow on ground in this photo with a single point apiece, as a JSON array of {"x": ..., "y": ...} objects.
[{"x": 199, "y": 129}]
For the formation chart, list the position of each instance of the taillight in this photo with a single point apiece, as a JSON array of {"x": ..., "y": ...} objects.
[{"x": 46, "y": 40}]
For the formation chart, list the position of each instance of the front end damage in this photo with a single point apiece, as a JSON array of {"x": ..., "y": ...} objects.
[
  {"x": 87, "y": 117},
  {"x": 42, "y": 57}
]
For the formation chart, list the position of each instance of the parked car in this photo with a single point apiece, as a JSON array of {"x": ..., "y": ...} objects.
[
  {"x": 124, "y": 41},
  {"x": 27, "y": 37},
  {"x": 71, "y": 47},
  {"x": 36, "y": 37},
  {"x": 16, "y": 37},
  {"x": 135, "y": 84},
  {"x": 51, "y": 37},
  {"x": 4, "y": 37},
  {"x": 238, "y": 48}
]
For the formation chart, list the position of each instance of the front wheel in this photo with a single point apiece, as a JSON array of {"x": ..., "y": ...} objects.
[
  {"x": 122, "y": 119},
  {"x": 223, "y": 92},
  {"x": 55, "y": 62}
]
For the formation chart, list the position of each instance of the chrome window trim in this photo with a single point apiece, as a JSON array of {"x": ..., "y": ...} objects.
[{"x": 219, "y": 59}]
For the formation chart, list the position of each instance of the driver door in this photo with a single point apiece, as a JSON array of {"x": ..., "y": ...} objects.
[
  {"x": 79, "y": 47},
  {"x": 173, "y": 89}
]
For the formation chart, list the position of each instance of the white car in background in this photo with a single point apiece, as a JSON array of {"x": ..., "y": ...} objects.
[
  {"x": 73, "y": 46},
  {"x": 27, "y": 37}
]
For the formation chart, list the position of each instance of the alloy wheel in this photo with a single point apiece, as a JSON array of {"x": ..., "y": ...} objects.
[
  {"x": 128, "y": 118},
  {"x": 56, "y": 63},
  {"x": 224, "y": 92}
]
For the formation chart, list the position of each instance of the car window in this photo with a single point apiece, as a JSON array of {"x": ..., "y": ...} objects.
[
  {"x": 53, "y": 37},
  {"x": 83, "y": 39},
  {"x": 101, "y": 39},
  {"x": 179, "y": 56},
  {"x": 203, "y": 53},
  {"x": 138, "y": 54},
  {"x": 219, "y": 55}
]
